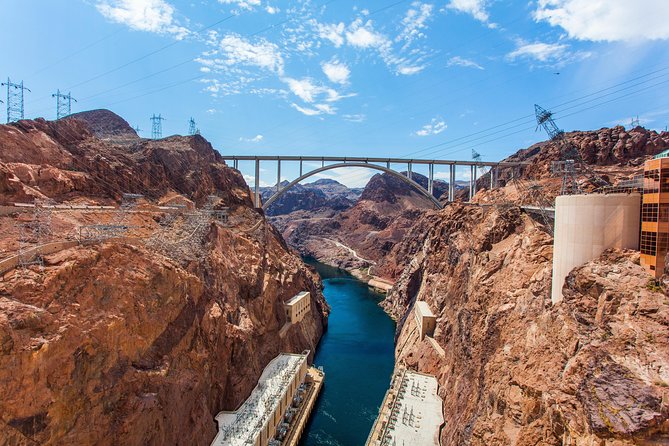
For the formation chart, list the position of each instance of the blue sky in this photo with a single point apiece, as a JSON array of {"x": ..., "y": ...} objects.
[{"x": 431, "y": 79}]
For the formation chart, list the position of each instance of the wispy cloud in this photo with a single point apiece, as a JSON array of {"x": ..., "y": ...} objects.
[
  {"x": 434, "y": 127},
  {"x": 242, "y": 4},
  {"x": 256, "y": 138},
  {"x": 415, "y": 22},
  {"x": 263, "y": 53},
  {"x": 359, "y": 117},
  {"x": 155, "y": 16},
  {"x": 607, "y": 20},
  {"x": 457, "y": 61},
  {"x": 548, "y": 53}
]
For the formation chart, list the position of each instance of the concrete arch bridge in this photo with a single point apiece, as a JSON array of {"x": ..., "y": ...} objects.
[{"x": 380, "y": 164}]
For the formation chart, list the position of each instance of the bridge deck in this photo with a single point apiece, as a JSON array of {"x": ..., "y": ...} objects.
[{"x": 355, "y": 159}]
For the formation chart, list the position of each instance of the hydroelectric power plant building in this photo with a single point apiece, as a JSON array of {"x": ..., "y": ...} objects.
[
  {"x": 277, "y": 410},
  {"x": 655, "y": 214}
]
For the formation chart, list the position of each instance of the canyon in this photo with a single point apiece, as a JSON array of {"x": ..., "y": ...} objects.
[
  {"x": 127, "y": 340},
  {"x": 116, "y": 341}
]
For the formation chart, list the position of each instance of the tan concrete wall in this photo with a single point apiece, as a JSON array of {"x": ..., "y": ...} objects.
[{"x": 586, "y": 225}]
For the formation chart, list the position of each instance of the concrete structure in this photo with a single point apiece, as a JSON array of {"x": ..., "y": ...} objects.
[
  {"x": 426, "y": 321},
  {"x": 381, "y": 164},
  {"x": 655, "y": 215},
  {"x": 312, "y": 385},
  {"x": 298, "y": 306},
  {"x": 411, "y": 412},
  {"x": 262, "y": 417},
  {"x": 586, "y": 225}
]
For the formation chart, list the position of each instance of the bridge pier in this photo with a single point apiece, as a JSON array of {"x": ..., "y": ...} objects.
[
  {"x": 278, "y": 176},
  {"x": 451, "y": 182},
  {"x": 235, "y": 164},
  {"x": 257, "y": 184},
  {"x": 409, "y": 170},
  {"x": 430, "y": 179},
  {"x": 475, "y": 172},
  {"x": 300, "y": 166}
]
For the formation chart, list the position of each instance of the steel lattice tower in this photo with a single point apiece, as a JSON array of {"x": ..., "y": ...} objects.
[
  {"x": 192, "y": 130},
  {"x": 63, "y": 104},
  {"x": 14, "y": 100},
  {"x": 157, "y": 126}
]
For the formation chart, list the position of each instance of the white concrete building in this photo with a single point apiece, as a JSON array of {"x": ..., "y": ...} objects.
[
  {"x": 260, "y": 417},
  {"x": 425, "y": 319},
  {"x": 298, "y": 306},
  {"x": 586, "y": 225}
]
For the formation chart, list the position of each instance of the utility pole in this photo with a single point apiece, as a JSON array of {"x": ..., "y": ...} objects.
[
  {"x": 14, "y": 100},
  {"x": 63, "y": 104},
  {"x": 192, "y": 130},
  {"x": 157, "y": 126},
  {"x": 137, "y": 130}
]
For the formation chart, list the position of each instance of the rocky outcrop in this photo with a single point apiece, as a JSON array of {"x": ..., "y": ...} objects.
[
  {"x": 514, "y": 370},
  {"x": 121, "y": 342},
  {"x": 65, "y": 161},
  {"x": 320, "y": 196}
]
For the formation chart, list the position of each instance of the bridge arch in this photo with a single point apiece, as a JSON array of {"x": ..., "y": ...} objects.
[{"x": 392, "y": 172}]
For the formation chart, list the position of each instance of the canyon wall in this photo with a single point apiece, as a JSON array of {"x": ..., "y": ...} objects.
[
  {"x": 118, "y": 342},
  {"x": 514, "y": 370}
]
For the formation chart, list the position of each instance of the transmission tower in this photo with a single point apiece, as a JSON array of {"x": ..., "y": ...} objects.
[
  {"x": 63, "y": 104},
  {"x": 14, "y": 100},
  {"x": 192, "y": 130},
  {"x": 157, "y": 126},
  {"x": 137, "y": 130},
  {"x": 35, "y": 234},
  {"x": 570, "y": 163},
  {"x": 634, "y": 122}
]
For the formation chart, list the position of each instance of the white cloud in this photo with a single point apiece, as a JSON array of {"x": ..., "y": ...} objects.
[
  {"x": 256, "y": 138},
  {"x": 475, "y": 8},
  {"x": 607, "y": 20},
  {"x": 211, "y": 111},
  {"x": 336, "y": 71},
  {"x": 155, "y": 16},
  {"x": 556, "y": 54},
  {"x": 243, "y": 4},
  {"x": 310, "y": 92},
  {"x": 332, "y": 32},
  {"x": 263, "y": 54},
  {"x": 415, "y": 22},
  {"x": 272, "y": 9},
  {"x": 458, "y": 61},
  {"x": 363, "y": 35},
  {"x": 350, "y": 176},
  {"x": 434, "y": 127}
]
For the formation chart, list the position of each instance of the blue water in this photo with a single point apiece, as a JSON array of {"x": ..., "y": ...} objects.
[{"x": 357, "y": 354}]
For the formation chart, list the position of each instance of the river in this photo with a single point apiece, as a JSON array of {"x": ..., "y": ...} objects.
[{"x": 357, "y": 355}]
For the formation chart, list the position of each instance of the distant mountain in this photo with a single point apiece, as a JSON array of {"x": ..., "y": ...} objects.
[{"x": 321, "y": 194}]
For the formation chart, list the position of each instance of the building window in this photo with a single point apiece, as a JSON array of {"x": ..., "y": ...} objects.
[
  {"x": 648, "y": 243},
  {"x": 649, "y": 212},
  {"x": 651, "y": 179},
  {"x": 662, "y": 244},
  {"x": 663, "y": 216},
  {"x": 664, "y": 180}
]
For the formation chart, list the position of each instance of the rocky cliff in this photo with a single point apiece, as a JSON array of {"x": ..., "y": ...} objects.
[
  {"x": 514, "y": 370},
  {"x": 120, "y": 342}
]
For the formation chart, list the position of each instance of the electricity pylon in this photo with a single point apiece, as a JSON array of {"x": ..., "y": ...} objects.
[
  {"x": 63, "y": 104},
  {"x": 14, "y": 100},
  {"x": 157, "y": 126}
]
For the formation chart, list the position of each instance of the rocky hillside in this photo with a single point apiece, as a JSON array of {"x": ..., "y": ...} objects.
[
  {"x": 124, "y": 341},
  {"x": 514, "y": 370}
]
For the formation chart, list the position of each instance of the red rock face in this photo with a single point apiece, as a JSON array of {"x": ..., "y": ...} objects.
[
  {"x": 120, "y": 344},
  {"x": 516, "y": 370}
]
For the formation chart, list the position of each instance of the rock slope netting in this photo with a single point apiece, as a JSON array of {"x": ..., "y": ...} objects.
[
  {"x": 119, "y": 343},
  {"x": 514, "y": 370}
]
